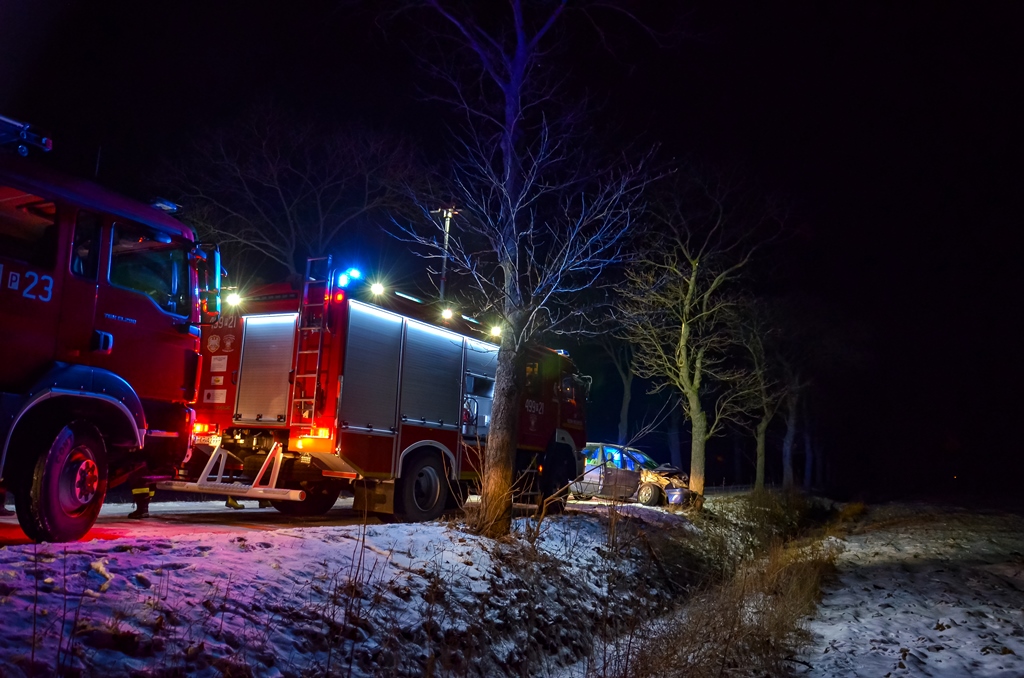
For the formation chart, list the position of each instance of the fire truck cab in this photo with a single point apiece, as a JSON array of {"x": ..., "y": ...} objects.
[
  {"x": 101, "y": 299},
  {"x": 306, "y": 390}
]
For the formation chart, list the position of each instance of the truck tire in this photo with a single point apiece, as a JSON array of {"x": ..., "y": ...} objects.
[
  {"x": 649, "y": 494},
  {"x": 64, "y": 489},
  {"x": 320, "y": 498},
  {"x": 422, "y": 491}
]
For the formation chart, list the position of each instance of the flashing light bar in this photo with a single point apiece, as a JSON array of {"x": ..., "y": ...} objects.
[
  {"x": 409, "y": 297},
  {"x": 165, "y": 205}
]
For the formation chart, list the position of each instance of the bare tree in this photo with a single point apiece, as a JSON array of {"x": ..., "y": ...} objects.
[
  {"x": 795, "y": 390},
  {"x": 758, "y": 334},
  {"x": 538, "y": 221},
  {"x": 289, "y": 190},
  {"x": 812, "y": 339},
  {"x": 677, "y": 307},
  {"x": 621, "y": 355}
]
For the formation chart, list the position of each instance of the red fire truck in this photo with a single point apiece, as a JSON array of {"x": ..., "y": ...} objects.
[
  {"x": 101, "y": 299},
  {"x": 306, "y": 390}
]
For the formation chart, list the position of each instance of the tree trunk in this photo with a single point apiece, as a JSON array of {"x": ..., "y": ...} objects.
[
  {"x": 627, "y": 395},
  {"x": 819, "y": 468},
  {"x": 737, "y": 460},
  {"x": 700, "y": 439},
  {"x": 808, "y": 453},
  {"x": 500, "y": 452},
  {"x": 787, "y": 444},
  {"x": 674, "y": 449},
  {"x": 760, "y": 433}
]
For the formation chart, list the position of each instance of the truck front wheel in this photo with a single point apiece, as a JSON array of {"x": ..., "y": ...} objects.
[
  {"x": 422, "y": 490},
  {"x": 62, "y": 495}
]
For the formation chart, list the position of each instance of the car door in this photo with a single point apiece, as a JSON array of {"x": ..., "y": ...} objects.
[
  {"x": 613, "y": 485},
  {"x": 590, "y": 483},
  {"x": 629, "y": 478}
]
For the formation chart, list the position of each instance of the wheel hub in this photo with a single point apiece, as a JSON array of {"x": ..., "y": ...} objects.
[
  {"x": 79, "y": 482},
  {"x": 87, "y": 479},
  {"x": 426, "y": 489}
]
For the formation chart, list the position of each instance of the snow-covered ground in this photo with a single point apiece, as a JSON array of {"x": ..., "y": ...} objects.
[
  {"x": 924, "y": 591},
  {"x": 920, "y": 591},
  {"x": 397, "y": 599}
]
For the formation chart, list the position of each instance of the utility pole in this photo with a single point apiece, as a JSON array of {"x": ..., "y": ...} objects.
[{"x": 448, "y": 213}]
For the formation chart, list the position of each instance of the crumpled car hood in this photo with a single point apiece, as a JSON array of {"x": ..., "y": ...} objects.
[{"x": 665, "y": 476}]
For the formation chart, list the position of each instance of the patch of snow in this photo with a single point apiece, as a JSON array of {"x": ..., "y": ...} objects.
[{"x": 928, "y": 592}]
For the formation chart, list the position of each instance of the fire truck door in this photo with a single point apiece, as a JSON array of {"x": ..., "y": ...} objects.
[
  {"x": 143, "y": 305},
  {"x": 29, "y": 297},
  {"x": 78, "y": 293}
]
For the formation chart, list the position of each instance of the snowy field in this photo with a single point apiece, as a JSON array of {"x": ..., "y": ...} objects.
[
  {"x": 920, "y": 591},
  {"x": 396, "y": 599},
  {"x": 924, "y": 592}
]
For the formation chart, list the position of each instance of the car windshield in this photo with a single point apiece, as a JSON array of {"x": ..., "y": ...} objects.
[{"x": 643, "y": 460}]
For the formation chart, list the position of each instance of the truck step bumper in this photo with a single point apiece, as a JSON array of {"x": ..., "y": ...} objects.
[{"x": 234, "y": 490}]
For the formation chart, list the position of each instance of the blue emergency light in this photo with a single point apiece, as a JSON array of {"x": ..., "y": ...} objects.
[{"x": 348, "y": 276}]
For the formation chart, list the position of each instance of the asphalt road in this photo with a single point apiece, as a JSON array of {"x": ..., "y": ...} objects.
[{"x": 181, "y": 517}]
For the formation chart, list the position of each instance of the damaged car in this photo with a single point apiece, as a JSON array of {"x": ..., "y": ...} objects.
[{"x": 620, "y": 473}]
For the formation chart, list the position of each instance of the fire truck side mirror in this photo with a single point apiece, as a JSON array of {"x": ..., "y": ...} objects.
[
  {"x": 209, "y": 307},
  {"x": 207, "y": 258}
]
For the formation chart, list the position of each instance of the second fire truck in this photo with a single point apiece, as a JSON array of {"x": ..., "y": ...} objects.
[{"x": 306, "y": 390}]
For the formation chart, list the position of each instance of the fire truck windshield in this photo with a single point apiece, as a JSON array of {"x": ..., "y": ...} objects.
[{"x": 154, "y": 264}]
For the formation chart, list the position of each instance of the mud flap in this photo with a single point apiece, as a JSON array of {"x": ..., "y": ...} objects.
[{"x": 374, "y": 497}]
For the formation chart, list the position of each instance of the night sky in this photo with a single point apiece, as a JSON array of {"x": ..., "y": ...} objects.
[{"x": 893, "y": 130}]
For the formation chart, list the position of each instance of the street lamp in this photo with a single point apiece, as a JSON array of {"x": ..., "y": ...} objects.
[{"x": 448, "y": 213}]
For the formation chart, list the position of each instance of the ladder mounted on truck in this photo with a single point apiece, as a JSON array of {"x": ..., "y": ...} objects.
[
  {"x": 22, "y": 134},
  {"x": 317, "y": 289}
]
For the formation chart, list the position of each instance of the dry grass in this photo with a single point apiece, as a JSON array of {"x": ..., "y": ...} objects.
[
  {"x": 852, "y": 512},
  {"x": 747, "y": 626}
]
